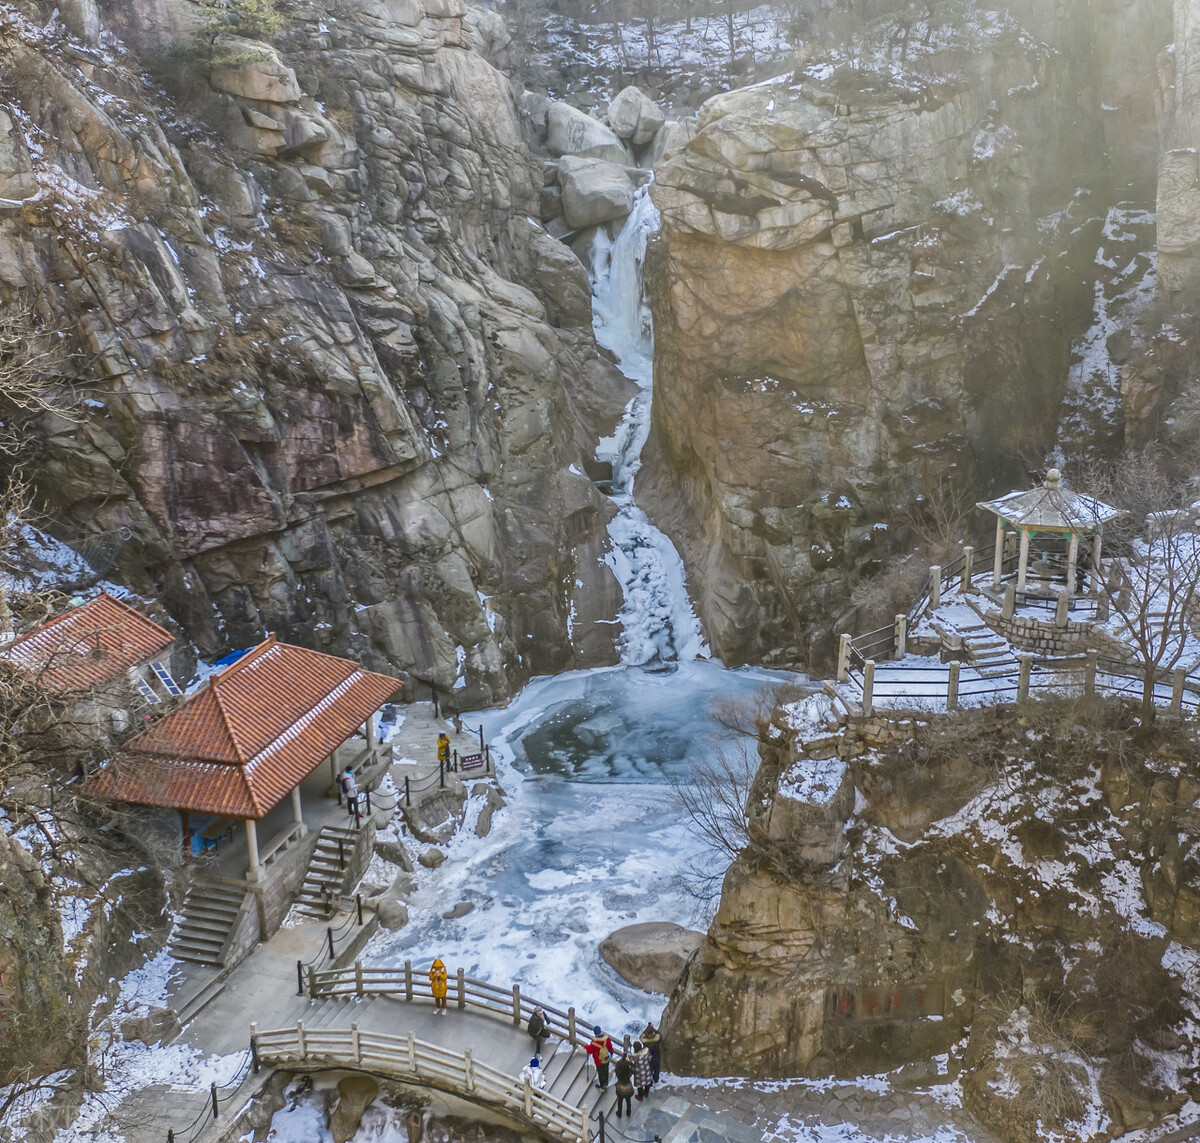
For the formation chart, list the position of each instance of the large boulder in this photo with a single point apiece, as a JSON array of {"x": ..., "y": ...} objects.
[
  {"x": 650, "y": 956},
  {"x": 571, "y": 132},
  {"x": 671, "y": 138},
  {"x": 633, "y": 115},
  {"x": 355, "y": 1095},
  {"x": 259, "y": 73},
  {"x": 594, "y": 191}
]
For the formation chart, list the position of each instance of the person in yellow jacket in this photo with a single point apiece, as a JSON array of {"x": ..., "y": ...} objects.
[
  {"x": 438, "y": 984},
  {"x": 443, "y": 745}
]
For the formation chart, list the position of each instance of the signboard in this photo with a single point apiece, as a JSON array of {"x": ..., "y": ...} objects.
[
  {"x": 878, "y": 1003},
  {"x": 470, "y": 761}
]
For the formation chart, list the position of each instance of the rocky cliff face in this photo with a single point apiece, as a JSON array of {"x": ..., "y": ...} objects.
[
  {"x": 337, "y": 381},
  {"x": 1179, "y": 168},
  {"x": 869, "y": 276},
  {"x": 1009, "y": 895}
]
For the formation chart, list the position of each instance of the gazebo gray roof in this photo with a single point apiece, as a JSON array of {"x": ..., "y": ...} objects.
[{"x": 1051, "y": 508}]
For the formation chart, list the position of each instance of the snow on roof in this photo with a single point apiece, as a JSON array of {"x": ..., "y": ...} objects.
[{"x": 1053, "y": 506}]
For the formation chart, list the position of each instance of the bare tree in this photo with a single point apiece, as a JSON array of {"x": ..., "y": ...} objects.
[
  {"x": 727, "y": 795},
  {"x": 1154, "y": 567},
  {"x": 34, "y": 381}
]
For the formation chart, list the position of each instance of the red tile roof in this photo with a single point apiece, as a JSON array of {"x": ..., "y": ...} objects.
[
  {"x": 88, "y": 645},
  {"x": 240, "y": 745}
]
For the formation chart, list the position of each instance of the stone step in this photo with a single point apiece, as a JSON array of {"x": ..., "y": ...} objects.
[
  {"x": 198, "y": 954},
  {"x": 204, "y": 910}
]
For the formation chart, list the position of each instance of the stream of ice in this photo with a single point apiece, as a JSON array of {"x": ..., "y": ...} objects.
[{"x": 657, "y": 620}]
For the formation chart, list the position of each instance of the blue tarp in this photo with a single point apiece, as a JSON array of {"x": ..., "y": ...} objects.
[{"x": 232, "y": 657}]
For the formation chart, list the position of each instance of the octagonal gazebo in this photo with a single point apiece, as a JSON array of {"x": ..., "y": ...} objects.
[{"x": 1052, "y": 509}]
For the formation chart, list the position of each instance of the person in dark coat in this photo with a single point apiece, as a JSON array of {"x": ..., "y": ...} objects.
[
  {"x": 653, "y": 1041},
  {"x": 600, "y": 1048},
  {"x": 537, "y": 1028},
  {"x": 642, "y": 1072},
  {"x": 624, "y": 1070}
]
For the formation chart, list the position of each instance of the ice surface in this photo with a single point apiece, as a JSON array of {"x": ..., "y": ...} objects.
[{"x": 593, "y": 838}]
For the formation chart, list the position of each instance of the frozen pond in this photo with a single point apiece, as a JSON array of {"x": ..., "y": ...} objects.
[{"x": 593, "y": 837}]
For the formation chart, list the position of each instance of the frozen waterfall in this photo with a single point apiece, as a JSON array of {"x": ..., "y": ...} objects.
[{"x": 658, "y": 620}]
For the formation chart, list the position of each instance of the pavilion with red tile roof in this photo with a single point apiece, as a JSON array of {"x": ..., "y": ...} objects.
[
  {"x": 245, "y": 741},
  {"x": 88, "y": 646}
]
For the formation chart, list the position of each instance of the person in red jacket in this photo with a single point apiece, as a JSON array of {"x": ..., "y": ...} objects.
[{"x": 600, "y": 1048}]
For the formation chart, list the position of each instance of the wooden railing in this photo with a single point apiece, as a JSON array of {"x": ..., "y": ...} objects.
[
  {"x": 409, "y": 1059},
  {"x": 464, "y": 992}
]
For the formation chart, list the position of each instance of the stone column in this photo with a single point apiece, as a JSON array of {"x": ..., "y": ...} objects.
[
  {"x": 297, "y": 816},
  {"x": 1072, "y": 560},
  {"x": 1097, "y": 574},
  {"x": 254, "y": 873},
  {"x": 1023, "y": 560},
  {"x": 998, "y": 561}
]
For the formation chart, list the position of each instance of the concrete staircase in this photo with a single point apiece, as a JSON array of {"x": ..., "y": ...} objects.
[
  {"x": 326, "y": 870},
  {"x": 209, "y": 911},
  {"x": 987, "y": 653}
]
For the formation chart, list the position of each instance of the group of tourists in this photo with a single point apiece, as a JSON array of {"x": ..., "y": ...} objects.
[{"x": 636, "y": 1071}]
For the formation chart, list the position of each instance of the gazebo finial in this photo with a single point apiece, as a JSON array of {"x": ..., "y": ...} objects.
[{"x": 1053, "y": 479}]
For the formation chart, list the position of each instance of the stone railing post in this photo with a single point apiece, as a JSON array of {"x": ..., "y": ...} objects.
[
  {"x": 1010, "y": 602},
  {"x": 408, "y": 980},
  {"x": 868, "y": 695},
  {"x": 952, "y": 685},
  {"x": 1062, "y": 608},
  {"x": 462, "y": 990},
  {"x": 901, "y": 637},
  {"x": 968, "y": 568},
  {"x": 935, "y": 586},
  {"x": 1177, "y": 677},
  {"x": 1024, "y": 670},
  {"x": 516, "y": 1005},
  {"x": 843, "y": 659}
]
